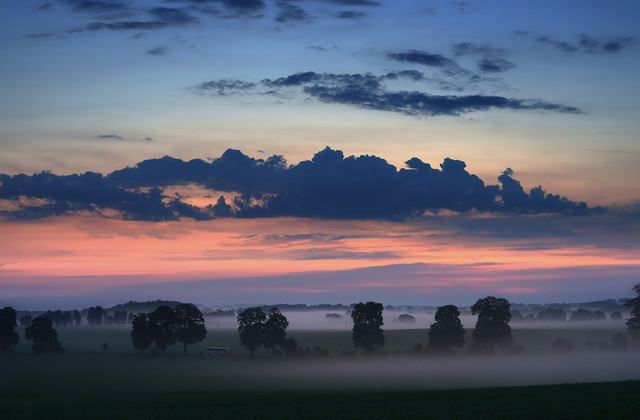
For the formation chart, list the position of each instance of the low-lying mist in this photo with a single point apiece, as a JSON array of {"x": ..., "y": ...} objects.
[
  {"x": 404, "y": 373},
  {"x": 333, "y": 320}
]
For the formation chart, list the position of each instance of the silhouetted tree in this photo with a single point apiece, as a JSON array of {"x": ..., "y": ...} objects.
[
  {"x": 59, "y": 317},
  {"x": 633, "y": 323},
  {"x": 615, "y": 315},
  {"x": 190, "y": 326},
  {"x": 367, "y": 322},
  {"x": 598, "y": 316},
  {"x": 164, "y": 327},
  {"x": 77, "y": 318},
  {"x": 120, "y": 317},
  {"x": 552, "y": 314},
  {"x": 492, "y": 327},
  {"x": 406, "y": 318},
  {"x": 251, "y": 328},
  {"x": 516, "y": 316},
  {"x": 447, "y": 331},
  {"x": 95, "y": 316},
  {"x": 8, "y": 335},
  {"x": 44, "y": 336},
  {"x": 25, "y": 320},
  {"x": 581, "y": 315},
  {"x": 275, "y": 329},
  {"x": 141, "y": 332}
]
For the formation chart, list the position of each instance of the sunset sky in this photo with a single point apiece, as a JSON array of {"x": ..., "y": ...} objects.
[{"x": 318, "y": 151}]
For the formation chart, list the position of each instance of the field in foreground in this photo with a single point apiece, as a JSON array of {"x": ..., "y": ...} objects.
[
  {"x": 112, "y": 386},
  {"x": 605, "y": 400},
  {"x": 85, "y": 382}
]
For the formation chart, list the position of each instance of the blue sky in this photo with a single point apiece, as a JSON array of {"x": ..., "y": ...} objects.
[{"x": 548, "y": 89}]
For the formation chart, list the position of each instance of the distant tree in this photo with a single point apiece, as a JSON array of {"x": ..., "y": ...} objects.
[
  {"x": 447, "y": 331},
  {"x": 367, "y": 322},
  {"x": 516, "y": 316},
  {"x": 409, "y": 319},
  {"x": 130, "y": 317},
  {"x": 562, "y": 345},
  {"x": 25, "y": 320},
  {"x": 96, "y": 315},
  {"x": 77, "y": 318},
  {"x": 492, "y": 327},
  {"x": 552, "y": 314},
  {"x": 189, "y": 323},
  {"x": 44, "y": 336},
  {"x": 615, "y": 315},
  {"x": 59, "y": 318},
  {"x": 105, "y": 347},
  {"x": 633, "y": 323},
  {"x": 598, "y": 316},
  {"x": 251, "y": 328},
  {"x": 120, "y": 317},
  {"x": 164, "y": 327},
  {"x": 141, "y": 332},
  {"x": 581, "y": 315},
  {"x": 8, "y": 335},
  {"x": 275, "y": 329},
  {"x": 290, "y": 347}
]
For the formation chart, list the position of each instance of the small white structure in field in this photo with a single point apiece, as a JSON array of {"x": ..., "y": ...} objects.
[{"x": 216, "y": 351}]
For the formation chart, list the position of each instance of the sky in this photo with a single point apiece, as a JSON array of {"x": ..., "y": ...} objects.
[{"x": 318, "y": 151}]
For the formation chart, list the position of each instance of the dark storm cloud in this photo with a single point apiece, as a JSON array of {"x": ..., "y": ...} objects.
[
  {"x": 368, "y": 92},
  {"x": 329, "y": 186},
  {"x": 86, "y": 192},
  {"x": 585, "y": 43}
]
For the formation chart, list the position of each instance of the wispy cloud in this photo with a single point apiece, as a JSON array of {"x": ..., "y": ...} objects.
[{"x": 368, "y": 91}]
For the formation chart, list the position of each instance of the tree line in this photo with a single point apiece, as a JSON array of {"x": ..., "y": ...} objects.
[{"x": 185, "y": 324}]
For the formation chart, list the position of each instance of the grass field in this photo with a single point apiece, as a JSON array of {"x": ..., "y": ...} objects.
[{"x": 85, "y": 382}]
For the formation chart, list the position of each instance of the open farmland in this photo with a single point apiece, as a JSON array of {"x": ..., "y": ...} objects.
[{"x": 85, "y": 382}]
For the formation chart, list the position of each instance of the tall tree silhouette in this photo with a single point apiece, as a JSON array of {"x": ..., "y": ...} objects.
[
  {"x": 447, "y": 331},
  {"x": 44, "y": 336},
  {"x": 141, "y": 332},
  {"x": 190, "y": 327},
  {"x": 633, "y": 323},
  {"x": 367, "y": 322},
  {"x": 8, "y": 335},
  {"x": 492, "y": 327},
  {"x": 164, "y": 327},
  {"x": 275, "y": 329},
  {"x": 251, "y": 328}
]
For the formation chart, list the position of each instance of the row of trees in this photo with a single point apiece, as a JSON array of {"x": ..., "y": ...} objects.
[
  {"x": 40, "y": 331},
  {"x": 165, "y": 326},
  {"x": 492, "y": 328}
]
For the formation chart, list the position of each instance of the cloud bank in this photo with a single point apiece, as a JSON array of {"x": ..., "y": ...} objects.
[{"x": 329, "y": 186}]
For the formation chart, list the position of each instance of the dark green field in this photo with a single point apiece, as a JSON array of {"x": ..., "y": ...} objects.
[{"x": 85, "y": 382}]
